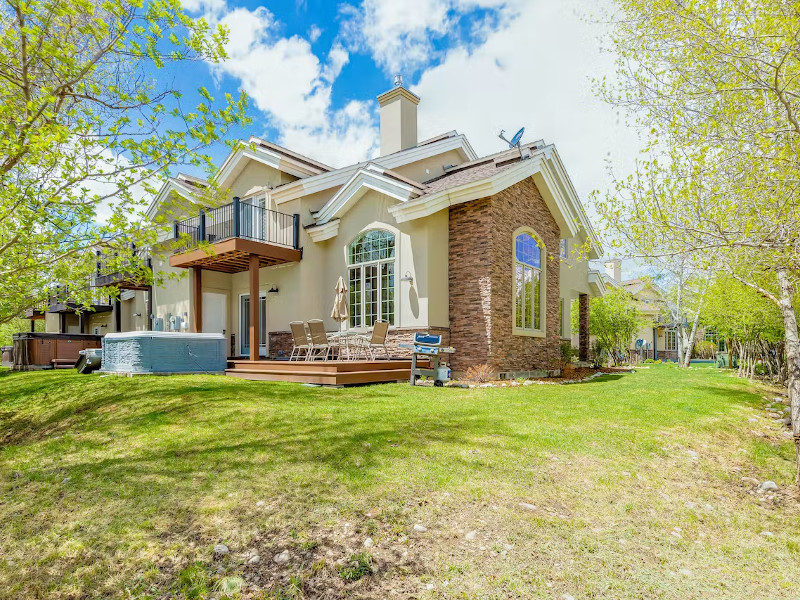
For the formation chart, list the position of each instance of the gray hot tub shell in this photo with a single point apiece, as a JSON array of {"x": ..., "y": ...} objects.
[{"x": 144, "y": 352}]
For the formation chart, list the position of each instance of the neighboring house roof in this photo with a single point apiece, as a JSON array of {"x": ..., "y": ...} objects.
[
  {"x": 185, "y": 186},
  {"x": 597, "y": 282}
]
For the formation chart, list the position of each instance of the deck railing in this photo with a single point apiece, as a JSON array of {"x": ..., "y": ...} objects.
[
  {"x": 109, "y": 267},
  {"x": 240, "y": 220},
  {"x": 61, "y": 294}
]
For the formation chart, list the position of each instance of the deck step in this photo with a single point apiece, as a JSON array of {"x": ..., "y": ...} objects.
[
  {"x": 322, "y": 377},
  {"x": 329, "y": 366}
]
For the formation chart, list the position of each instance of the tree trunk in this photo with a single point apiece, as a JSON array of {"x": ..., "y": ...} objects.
[
  {"x": 792, "y": 358},
  {"x": 690, "y": 344}
]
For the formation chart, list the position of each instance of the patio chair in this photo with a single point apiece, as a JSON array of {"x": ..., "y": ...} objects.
[
  {"x": 300, "y": 340},
  {"x": 380, "y": 332},
  {"x": 319, "y": 341}
]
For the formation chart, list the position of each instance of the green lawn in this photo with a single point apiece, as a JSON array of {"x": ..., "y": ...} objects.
[{"x": 120, "y": 488}]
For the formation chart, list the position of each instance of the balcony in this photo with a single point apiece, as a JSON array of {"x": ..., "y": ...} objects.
[
  {"x": 62, "y": 301},
  {"x": 126, "y": 275},
  {"x": 227, "y": 238}
]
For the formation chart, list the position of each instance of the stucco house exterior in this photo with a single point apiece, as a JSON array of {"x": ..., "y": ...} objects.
[{"x": 427, "y": 236}]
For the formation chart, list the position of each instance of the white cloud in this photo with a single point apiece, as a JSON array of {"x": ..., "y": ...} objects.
[
  {"x": 400, "y": 35},
  {"x": 535, "y": 72},
  {"x": 292, "y": 87}
]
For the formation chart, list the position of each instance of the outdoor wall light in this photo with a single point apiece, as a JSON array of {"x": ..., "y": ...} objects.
[
  {"x": 137, "y": 314},
  {"x": 407, "y": 277}
]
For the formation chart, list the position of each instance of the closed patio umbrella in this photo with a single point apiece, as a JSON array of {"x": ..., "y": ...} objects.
[{"x": 340, "y": 310}]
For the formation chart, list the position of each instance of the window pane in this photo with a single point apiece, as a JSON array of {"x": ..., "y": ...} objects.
[
  {"x": 528, "y": 295},
  {"x": 372, "y": 246},
  {"x": 537, "y": 304},
  {"x": 370, "y": 295},
  {"x": 527, "y": 250},
  {"x": 355, "y": 297},
  {"x": 387, "y": 292},
  {"x": 520, "y": 297}
]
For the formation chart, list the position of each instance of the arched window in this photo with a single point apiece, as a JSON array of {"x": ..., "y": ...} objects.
[
  {"x": 529, "y": 284},
  {"x": 371, "y": 274}
]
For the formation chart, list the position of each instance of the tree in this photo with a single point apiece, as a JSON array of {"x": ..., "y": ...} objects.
[
  {"x": 716, "y": 88},
  {"x": 685, "y": 293},
  {"x": 751, "y": 326},
  {"x": 614, "y": 321},
  {"x": 87, "y": 133}
]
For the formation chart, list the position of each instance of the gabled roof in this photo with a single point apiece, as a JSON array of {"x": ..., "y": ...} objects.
[
  {"x": 338, "y": 177},
  {"x": 492, "y": 174},
  {"x": 185, "y": 186},
  {"x": 269, "y": 154},
  {"x": 369, "y": 177}
]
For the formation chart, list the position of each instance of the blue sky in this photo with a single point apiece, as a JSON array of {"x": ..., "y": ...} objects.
[{"x": 313, "y": 69}]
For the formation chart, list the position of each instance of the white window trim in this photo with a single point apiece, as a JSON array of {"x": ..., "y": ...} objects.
[
  {"x": 243, "y": 335},
  {"x": 542, "y": 331},
  {"x": 361, "y": 327},
  {"x": 667, "y": 332}
]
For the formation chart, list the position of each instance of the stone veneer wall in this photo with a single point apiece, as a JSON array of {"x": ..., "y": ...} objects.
[
  {"x": 481, "y": 281},
  {"x": 281, "y": 341}
]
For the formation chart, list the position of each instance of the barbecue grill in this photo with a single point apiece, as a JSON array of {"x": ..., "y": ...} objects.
[{"x": 429, "y": 346}]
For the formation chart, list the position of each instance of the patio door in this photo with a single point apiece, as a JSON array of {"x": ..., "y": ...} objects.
[
  {"x": 252, "y": 217},
  {"x": 244, "y": 325}
]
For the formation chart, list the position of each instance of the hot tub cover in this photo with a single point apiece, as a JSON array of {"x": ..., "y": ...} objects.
[{"x": 140, "y": 352}]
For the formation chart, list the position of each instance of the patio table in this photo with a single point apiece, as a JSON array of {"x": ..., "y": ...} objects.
[{"x": 342, "y": 340}]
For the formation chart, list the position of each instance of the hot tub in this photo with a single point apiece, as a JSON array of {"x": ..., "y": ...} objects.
[{"x": 160, "y": 352}]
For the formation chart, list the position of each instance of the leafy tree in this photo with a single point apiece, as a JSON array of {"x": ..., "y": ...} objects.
[
  {"x": 614, "y": 321},
  {"x": 7, "y": 330},
  {"x": 87, "y": 133},
  {"x": 751, "y": 325},
  {"x": 715, "y": 85}
]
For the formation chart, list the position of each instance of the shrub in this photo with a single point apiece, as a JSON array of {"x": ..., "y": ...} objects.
[
  {"x": 480, "y": 373},
  {"x": 705, "y": 350},
  {"x": 566, "y": 354}
]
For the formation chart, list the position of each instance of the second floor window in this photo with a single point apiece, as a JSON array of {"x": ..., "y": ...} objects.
[{"x": 371, "y": 276}]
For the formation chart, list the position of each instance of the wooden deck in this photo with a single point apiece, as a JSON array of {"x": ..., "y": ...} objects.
[{"x": 327, "y": 372}]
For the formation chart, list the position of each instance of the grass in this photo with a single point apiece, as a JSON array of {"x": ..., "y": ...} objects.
[{"x": 120, "y": 488}]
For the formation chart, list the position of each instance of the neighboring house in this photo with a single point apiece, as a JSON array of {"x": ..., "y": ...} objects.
[
  {"x": 656, "y": 338},
  {"x": 428, "y": 236}
]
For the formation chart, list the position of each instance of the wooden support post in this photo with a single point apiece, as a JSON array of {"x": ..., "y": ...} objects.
[
  {"x": 82, "y": 321},
  {"x": 197, "y": 296},
  {"x": 255, "y": 302},
  {"x": 33, "y": 325}
]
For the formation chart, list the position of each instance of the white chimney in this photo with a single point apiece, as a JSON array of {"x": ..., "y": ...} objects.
[
  {"x": 614, "y": 269},
  {"x": 398, "y": 118}
]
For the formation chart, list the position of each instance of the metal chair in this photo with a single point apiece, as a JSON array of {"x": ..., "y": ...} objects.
[
  {"x": 300, "y": 340},
  {"x": 380, "y": 332},
  {"x": 319, "y": 340}
]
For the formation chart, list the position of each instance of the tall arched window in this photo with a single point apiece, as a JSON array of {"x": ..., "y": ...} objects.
[
  {"x": 371, "y": 257},
  {"x": 529, "y": 284}
]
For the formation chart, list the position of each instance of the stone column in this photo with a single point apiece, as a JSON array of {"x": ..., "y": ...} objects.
[{"x": 583, "y": 327}]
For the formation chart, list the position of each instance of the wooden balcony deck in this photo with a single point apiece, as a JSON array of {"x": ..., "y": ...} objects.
[{"x": 327, "y": 372}]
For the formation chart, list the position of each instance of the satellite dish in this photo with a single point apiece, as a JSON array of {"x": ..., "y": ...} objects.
[
  {"x": 514, "y": 141},
  {"x": 517, "y": 137}
]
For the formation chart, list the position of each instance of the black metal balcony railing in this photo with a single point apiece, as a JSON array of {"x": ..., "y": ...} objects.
[
  {"x": 61, "y": 295},
  {"x": 109, "y": 268},
  {"x": 240, "y": 220}
]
